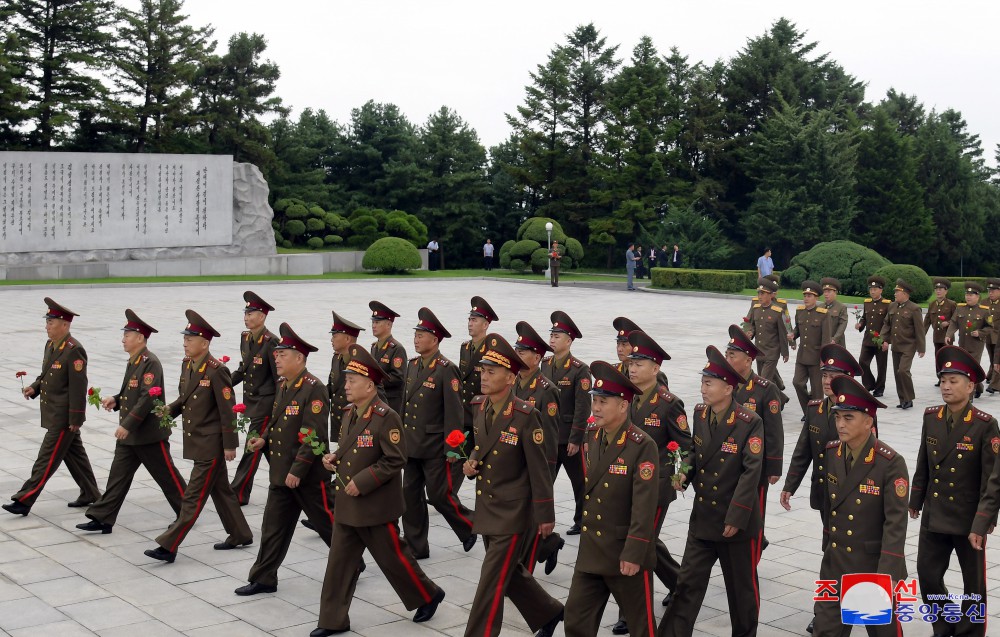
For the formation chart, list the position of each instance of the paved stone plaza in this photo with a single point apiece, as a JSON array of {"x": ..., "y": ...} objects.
[{"x": 56, "y": 580}]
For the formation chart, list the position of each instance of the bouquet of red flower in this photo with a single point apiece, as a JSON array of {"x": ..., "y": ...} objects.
[
  {"x": 20, "y": 376},
  {"x": 456, "y": 440},
  {"x": 877, "y": 340},
  {"x": 160, "y": 408},
  {"x": 943, "y": 321},
  {"x": 680, "y": 467},
  {"x": 94, "y": 396}
]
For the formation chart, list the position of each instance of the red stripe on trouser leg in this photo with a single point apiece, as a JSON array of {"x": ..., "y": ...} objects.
[
  {"x": 326, "y": 503},
  {"x": 197, "y": 509},
  {"x": 583, "y": 460},
  {"x": 533, "y": 553},
  {"x": 394, "y": 535},
  {"x": 754, "y": 551},
  {"x": 647, "y": 580},
  {"x": 451, "y": 500},
  {"x": 48, "y": 467},
  {"x": 254, "y": 461},
  {"x": 498, "y": 595},
  {"x": 170, "y": 467}
]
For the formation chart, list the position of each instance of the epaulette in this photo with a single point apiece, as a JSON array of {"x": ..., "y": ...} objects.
[
  {"x": 869, "y": 300},
  {"x": 267, "y": 336},
  {"x": 763, "y": 382},
  {"x": 884, "y": 451},
  {"x": 347, "y": 407},
  {"x": 782, "y": 301},
  {"x": 817, "y": 401},
  {"x": 744, "y": 414},
  {"x": 821, "y": 310},
  {"x": 443, "y": 362},
  {"x": 547, "y": 359},
  {"x": 144, "y": 357},
  {"x": 245, "y": 333},
  {"x": 984, "y": 307},
  {"x": 466, "y": 344},
  {"x": 593, "y": 427},
  {"x": 636, "y": 434},
  {"x": 214, "y": 364},
  {"x": 982, "y": 415},
  {"x": 664, "y": 393},
  {"x": 522, "y": 406},
  {"x": 833, "y": 444},
  {"x": 800, "y": 308},
  {"x": 71, "y": 342},
  {"x": 576, "y": 361},
  {"x": 186, "y": 359},
  {"x": 700, "y": 407},
  {"x": 756, "y": 305},
  {"x": 312, "y": 380},
  {"x": 391, "y": 343},
  {"x": 931, "y": 410},
  {"x": 477, "y": 400},
  {"x": 381, "y": 410},
  {"x": 544, "y": 381},
  {"x": 886, "y": 301},
  {"x": 414, "y": 359},
  {"x": 961, "y": 304},
  {"x": 777, "y": 309}
]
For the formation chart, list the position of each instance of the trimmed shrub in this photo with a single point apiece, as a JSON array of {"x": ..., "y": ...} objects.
[
  {"x": 923, "y": 287},
  {"x": 315, "y": 225},
  {"x": 277, "y": 237},
  {"x": 286, "y": 244},
  {"x": 847, "y": 261},
  {"x": 335, "y": 223},
  {"x": 539, "y": 260},
  {"x": 518, "y": 265},
  {"x": 295, "y": 228},
  {"x": 391, "y": 255},
  {"x": 315, "y": 243},
  {"x": 574, "y": 249},
  {"x": 505, "y": 253},
  {"x": 707, "y": 280},
  {"x": 534, "y": 229},
  {"x": 333, "y": 239},
  {"x": 566, "y": 262},
  {"x": 296, "y": 211},
  {"x": 957, "y": 290},
  {"x": 524, "y": 249},
  {"x": 315, "y": 212}
]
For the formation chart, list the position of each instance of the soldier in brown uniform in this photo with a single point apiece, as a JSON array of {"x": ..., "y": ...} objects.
[
  {"x": 836, "y": 312},
  {"x": 140, "y": 440},
  {"x": 62, "y": 385},
  {"x": 813, "y": 331},
  {"x": 939, "y": 313},
  {"x": 766, "y": 326},
  {"x": 298, "y": 481},
  {"x": 867, "y": 484},
  {"x": 432, "y": 410},
  {"x": 469, "y": 355},
  {"x": 958, "y": 449},
  {"x": 540, "y": 393},
  {"x": 872, "y": 325},
  {"x": 389, "y": 353},
  {"x": 572, "y": 378},
  {"x": 623, "y": 327},
  {"x": 368, "y": 462},
  {"x": 617, "y": 547},
  {"x": 513, "y": 497},
  {"x": 210, "y": 440},
  {"x": 725, "y": 515},
  {"x": 993, "y": 333},
  {"x": 969, "y": 320},
  {"x": 343, "y": 335},
  {"x": 905, "y": 332},
  {"x": 259, "y": 376}
]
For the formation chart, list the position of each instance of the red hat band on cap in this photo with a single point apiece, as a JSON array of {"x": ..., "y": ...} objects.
[
  {"x": 959, "y": 367},
  {"x": 381, "y": 316},
  {"x": 298, "y": 346},
  {"x": 610, "y": 387},
  {"x": 198, "y": 330},
  {"x": 132, "y": 326},
  {"x": 57, "y": 314},
  {"x": 562, "y": 327},
  {"x": 430, "y": 327},
  {"x": 645, "y": 352},
  {"x": 527, "y": 343},
  {"x": 255, "y": 307},
  {"x": 741, "y": 346},
  {"x": 856, "y": 403},
  {"x": 721, "y": 373},
  {"x": 344, "y": 329}
]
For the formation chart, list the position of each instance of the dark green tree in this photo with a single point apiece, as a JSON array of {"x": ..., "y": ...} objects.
[
  {"x": 303, "y": 151},
  {"x": 905, "y": 111},
  {"x": 507, "y": 203},
  {"x": 14, "y": 103}
]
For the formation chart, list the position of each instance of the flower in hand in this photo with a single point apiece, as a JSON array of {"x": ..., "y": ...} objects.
[
  {"x": 94, "y": 396},
  {"x": 224, "y": 360},
  {"x": 160, "y": 408},
  {"x": 456, "y": 440},
  {"x": 241, "y": 422},
  {"x": 680, "y": 467},
  {"x": 20, "y": 376},
  {"x": 308, "y": 436}
]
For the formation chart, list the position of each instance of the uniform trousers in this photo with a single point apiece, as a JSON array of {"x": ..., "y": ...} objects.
[
  {"x": 827, "y": 622},
  {"x": 739, "y": 571},
  {"x": 667, "y": 568},
  {"x": 60, "y": 445},
  {"x": 503, "y": 575},
  {"x": 433, "y": 481},
  {"x": 554, "y": 271},
  {"x": 812, "y": 375},
  {"x": 247, "y": 468},
  {"x": 975, "y": 349},
  {"x": 881, "y": 357},
  {"x": 127, "y": 460},
  {"x": 589, "y": 594},
  {"x": 576, "y": 469},
  {"x": 768, "y": 370},
  {"x": 901, "y": 362},
  {"x": 539, "y": 550},
  {"x": 281, "y": 512},
  {"x": 933, "y": 555},
  {"x": 208, "y": 479},
  {"x": 394, "y": 559}
]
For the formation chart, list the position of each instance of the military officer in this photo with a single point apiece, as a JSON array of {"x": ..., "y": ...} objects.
[
  {"x": 725, "y": 516},
  {"x": 939, "y": 313},
  {"x": 390, "y": 354},
  {"x": 470, "y": 353},
  {"x": 343, "y": 335},
  {"x": 766, "y": 326},
  {"x": 293, "y": 443},
  {"x": 905, "y": 333},
  {"x": 572, "y": 377},
  {"x": 140, "y": 440},
  {"x": 969, "y": 320},
  {"x": 432, "y": 410},
  {"x": 836, "y": 312},
  {"x": 542, "y": 394},
  {"x": 867, "y": 484},
  {"x": 210, "y": 439},
  {"x": 872, "y": 325},
  {"x": 617, "y": 549},
  {"x": 513, "y": 497},
  {"x": 623, "y": 327},
  {"x": 259, "y": 376},
  {"x": 368, "y": 462},
  {"x": 62, "y": 385},
  {"x": 993, "y": 333},
  {"x": 954, "y": 463},
  {"x": 813, "y": 331}
]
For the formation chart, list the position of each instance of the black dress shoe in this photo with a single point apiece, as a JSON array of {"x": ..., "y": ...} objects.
[
  {"x": 803, "y": 419},
  {"x": 323, "y": 632},
  {"x": 990, "y": 390},
  {"x": 160, "y": 553},
  {"x": 312, "y": 527},
  {"x": 548, "y": 629},
  {"x": 669, "y": 596},
  {"x": 574, "y": 530},
  {"x": 620, "y": 628},
  {"x": 76, "y": 504},
  {"x": 427, "y": 611},
  {"x": 94, "y": 525},
  {"x": 907, "y": 405},
  {"x": 421, "y": 556},
  {"x": 809, "y": 628},
  {"x": 17, "y": 508},
  {"x": 468, "y": 543},
  {"x": 553, "y": 559},
  {"x": 877, "y": 393},
  {"x": 979, "y": 392},
  {"x": 226, "y": 546},
  {"x": 764, "y": 544},
  {"x": 253, "y": 588}
]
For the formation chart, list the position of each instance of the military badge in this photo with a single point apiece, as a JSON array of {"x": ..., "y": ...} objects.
[
  {"x": 292, "y": 410},
  {"x": 872, "y": 489},
  {"x": 316, "y": 406},
  {"x": 652, "y": 421},
  {"x": 394, "y": 436},
  {"x": 964, "y": 446},
  {"x": 429, "y": 384},
  {"x": 57, "y": 365},
  {"x": 752, "y": 406},
  {"x": 454, "y": 384},
  {"x": 133, "y": 383},
  {"x": 384, "y": 359},
  {"x": 774, "y": 406},
  {"x": 147, "y": 379},
  {"x": 995, "y": 443},
  {"x": 552, "y": 409},
  {"x": 227, "y": 393},
  {"x": 618, "y": 470},
  {"x": 731, "y": 447},
  {"x": 585, "y": 384},
  {"x": 755, "y": 445},
  {"x": 900, "y": 484},
  {"x": 508, "y": 438},
  {"x": 258, "y": 360},
  {"x": 682, "y": 422},
  {"x": 78, "y": 364},
  {"x": 397, "y": 362},
  {"x": 538, "y": 436},
  {"x": 646, "y": 470},
  {"x": 204, "y": 382},
  {"x": 366, "y": 441}
]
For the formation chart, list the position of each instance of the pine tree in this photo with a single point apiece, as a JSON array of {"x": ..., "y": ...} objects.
[{"x": 14, "y": 103}]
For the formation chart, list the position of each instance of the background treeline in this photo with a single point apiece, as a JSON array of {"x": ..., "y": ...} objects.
[{"x": 777, "y": 146}]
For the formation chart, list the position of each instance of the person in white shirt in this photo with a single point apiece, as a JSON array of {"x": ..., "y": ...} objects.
[{"x": 488, "y": 255}]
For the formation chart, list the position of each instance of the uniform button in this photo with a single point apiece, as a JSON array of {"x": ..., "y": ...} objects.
[
  {"x": 598, "y": 534},
  {"x": 586, "y": 497},
  {"x": 850, "y": 517},
  {"x": 858, "y": 501},
  {"x": 586, "y": 480},
  {"x": 489, "y": 466},
  {"x": 605, "y": 485},
  {"x": 598, "y": 500},
  {"x": 935, "y": 494},
  {"x": 820, "y": 468},
  {"x": 849, "y": 532},
  {"x": 189, "y": 433},
  {"x": 821, "y": 480},
  {"x": 833, "y": 528},
  {"x": 584, "y": 529},
  {"x": 586, "y": 513},
  {"x": 598, "y": 516},
  {"x": 354, "y": 450},
  {"x": 479, "y": 477},
  {"x": 477, "y": 447},
  {"x": 937, "y": 466},
  {"x": 700, "y": 499},
  {"x": 820, "y": 455},
  {"x": 478, "y": 492},
  {"x": 951, "y": 484},
  {"x": 848, "y": 549},
  {"x": 834, "y": 514},
  {"x": 714, "y": 488},
  {"x": 701, "y": 484},
  {"x": 495, "y": 452},
  {"x": 702, "y": 471},
  {"x": 951, "y": 498},
  {"x": 959, "y": 456},
  {"x": 722, "y": 459},
  {"x": 833, "y": 496},
  {"x": 194, "y": 396},
  {"x": 713, "y": 502},
  {"x": 953, "y": 469},
  {"x": 935, "y": 480}
]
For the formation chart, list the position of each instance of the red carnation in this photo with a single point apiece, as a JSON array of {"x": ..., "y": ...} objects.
[
  {"x": 90, "y": 392},
  {"x": 455, "y": 439},
  {"x": 239, "y": 408},
  {"x": 673, "y": 446},
  {"x": 746, "y": 319},
  {"x": 20, "y": 374},
  {"x": 875, "y": 334},
  {"x": 155, "y": 392},
  {"x": 224, "y": 360}
]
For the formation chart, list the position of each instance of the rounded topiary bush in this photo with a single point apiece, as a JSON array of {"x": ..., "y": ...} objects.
[
  {"x": 315, "y": 225},
  {"x": 315, "y": 243},
  {"x": 505, "y": 253},
  {"x": 518, "y": 265},
  {"x": 295, "y": 228},
  {"x": 391, "y": 254},
  {"x": 296, "y": 211},
  {"x": 923, "y": 286},
  {"x": 286, "y": 244},
  {"x": 847, "y": 261},
  {"x": 333, "y": 239},
  {"x": 534, "y": 229},
  {"x": 524, "y": 249},
  {"x": 574, "y": 249},
  {"x": 539, "y": 260}
]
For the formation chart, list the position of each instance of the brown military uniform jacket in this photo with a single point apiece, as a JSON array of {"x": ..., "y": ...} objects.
[
  {"x": 134, "y": 404},
  {"x": 904, "y": 329},
  {"x": 302, "y": 403},
  {"x": 541, "y": 393},
  {"x": 469, "y": 372},
  {"x": 817, "y": 432},
  {"x": 989, "y": 504},
  {"x": 391, "y": 357},
  {"x": 873, "y": 320},
  {"x": 619, "y": 502},
  {"x": 867, "y": 510},
  {"x": 953, "y": 469},
  {"x": 572, "y": 378},
  {"x": 335, "y": 386},
  {"x": 761, "y": 396},
  {"x": 726, "y": 491},
  {"x": 966, "y": 320},
  {"x": 813, "y": 331},
  {"x": 767, "y": 329},
  {"x": 993, "y": 322},
  {"x": 205, "y": 401},
  {"x": 257, "y": 372},
  {"x": 663, "y": 419},
  {"x": 432, "y": 406},
  {"x": 62, "y": 385},
  {"x": 935, "y": 311},
  {"x": 661, "y": 378},
  {"x": 372, "y": 453},
  {"x": 514, "y": 485},
  {"x": 836, "y": 314}
]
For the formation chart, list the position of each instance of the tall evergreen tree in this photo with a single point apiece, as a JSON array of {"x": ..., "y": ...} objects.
[
  {"x": 304, "y": 151},
  {"x": 14, "y": 103},
  {"x": 905, "y": 111}
]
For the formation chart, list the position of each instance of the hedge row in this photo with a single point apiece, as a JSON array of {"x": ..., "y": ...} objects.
[{"x": 709, "y": 280}]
